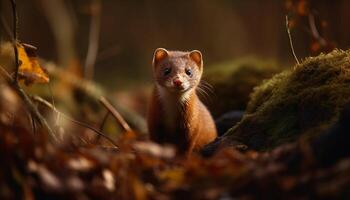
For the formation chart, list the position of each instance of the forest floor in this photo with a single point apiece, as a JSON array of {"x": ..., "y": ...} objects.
[{"x": 58, "y": 157}]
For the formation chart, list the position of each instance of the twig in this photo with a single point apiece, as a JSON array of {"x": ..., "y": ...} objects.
[
  {"x": 314, "y": 31},
  {"x": 29, "y": 104},
  {"x": 53, "y": 101},
  {"x": 51, "y": 94},
  {"x": 94, "y": 91},
  {"x": 15, "y": 25},
  {"x": 93, "y": 39},
  {"x": 104, "y": 120},
  {"x": 32, "y": 122},
  {"x": 115, "y": 114},
  {"x": 49, "y": 105},
  {"x": 102, "y": 124},
  {"x": 291, "y": 41},
  {"x": 91, "y": 128}
]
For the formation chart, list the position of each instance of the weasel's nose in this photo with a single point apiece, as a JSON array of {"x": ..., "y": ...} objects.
[{"x": 177, "y": 82}]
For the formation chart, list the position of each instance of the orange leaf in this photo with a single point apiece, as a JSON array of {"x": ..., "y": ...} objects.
[{"x": 29, "y": 68}]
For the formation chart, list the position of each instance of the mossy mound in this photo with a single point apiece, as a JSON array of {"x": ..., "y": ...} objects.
[
  {"x": 233, "y": 82},
  {"x": 304, "y": 101}
]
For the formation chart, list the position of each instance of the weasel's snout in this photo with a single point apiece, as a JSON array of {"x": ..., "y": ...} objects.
[{"x": 177, "y": 82}]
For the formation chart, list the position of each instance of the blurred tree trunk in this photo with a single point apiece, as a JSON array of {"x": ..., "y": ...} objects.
[
  {"x": 61, "y": 24},
  {"x": 344, "y": 24},
  {"x": 1, "y": 25}
]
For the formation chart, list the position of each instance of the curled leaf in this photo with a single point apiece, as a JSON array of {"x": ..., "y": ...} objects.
[{"x": 29, "y": 68}]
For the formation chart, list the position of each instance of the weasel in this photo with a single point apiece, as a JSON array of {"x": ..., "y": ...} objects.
[{"x": 176, "y": 115}]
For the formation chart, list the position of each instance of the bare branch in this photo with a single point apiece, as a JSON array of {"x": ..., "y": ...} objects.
[
  {"x": 49, "y": 105},
  {"x": 291, "y": 41},
  {"x": 104, "y": 120},
  {"x": 94, "y": 91},
  {"x": 15, "y": 25},
  {"x": 314, "y": 30},
  {"x": 102, "y": 124},
  {"x": 29, "y": 104},
  {"x": 115, "y": 114},
  {"x": 32, "y": 122}
]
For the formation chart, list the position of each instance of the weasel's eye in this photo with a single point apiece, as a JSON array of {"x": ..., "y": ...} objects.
[
  {"x": 167, "y": 71},
  {"x": 189, "y": 72}
]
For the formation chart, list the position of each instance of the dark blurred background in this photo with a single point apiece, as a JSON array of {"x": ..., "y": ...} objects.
[{"x": 131, "y": 30}]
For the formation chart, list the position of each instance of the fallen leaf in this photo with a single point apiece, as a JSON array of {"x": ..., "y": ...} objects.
[
  {"x": 29, "y": 68},
  {"x": 155, "y": 150},
  {"x": 80, "y": 164},
  {"x": 109, "y": 180},
  {"x": 48, "y": 178}
]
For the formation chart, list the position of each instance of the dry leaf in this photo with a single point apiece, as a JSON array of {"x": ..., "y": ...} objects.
[
  {"x": 155, "y": 150},
  {"x": 29, "y": 68},
  {"x": 80, "y": 164},
  {"x": 48, "y": 178},
  {"x": 109, "y": 180}
]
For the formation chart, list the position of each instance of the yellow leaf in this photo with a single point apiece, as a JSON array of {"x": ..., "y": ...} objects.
[{"x": 29, "y": 68}]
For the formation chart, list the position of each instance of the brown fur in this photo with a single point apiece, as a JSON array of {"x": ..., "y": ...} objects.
[{"x": 174, "y": 117}]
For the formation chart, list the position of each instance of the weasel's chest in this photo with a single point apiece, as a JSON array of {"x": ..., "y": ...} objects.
[
  {"x": 172, "y": 117},
  {"x": 175, "y": 128},
  {"x": 174, "y": 112}
]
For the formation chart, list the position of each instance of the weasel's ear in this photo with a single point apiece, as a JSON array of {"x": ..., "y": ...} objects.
[
  {"x": 159, "y": 54},
  {"x": 196, "y": 56}
]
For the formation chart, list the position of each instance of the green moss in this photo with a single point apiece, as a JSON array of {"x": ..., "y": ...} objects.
[
  {"x": 233, "y": 82},
  {"x": 306, "y": 100}
]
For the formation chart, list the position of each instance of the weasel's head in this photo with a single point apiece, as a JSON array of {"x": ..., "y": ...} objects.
[{"x": 177, "y": 71}]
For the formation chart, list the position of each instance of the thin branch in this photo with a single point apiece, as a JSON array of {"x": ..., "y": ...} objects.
[
  {"x": 91, "y": 128},
  {"x": 93, "y": 39},
  {"x": 314, "y": 31},
  {"x": 115, "y": 114},
  {"x": 29, "y": 104},
  {"x": 104, "y": 120},
  {"x": 53, "y": 101},
  {"x": 102, "y": 124},
  {"x": 49, "y": 105},
  {"x": 15, "y": 27},
  {"x": 94, "y": 91},
  {"x": 291, "y": 41},
  {"x": 15, "y": 18},
  {"x": 32, "y": 122},
  {"x": 51, "y": 94}
]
